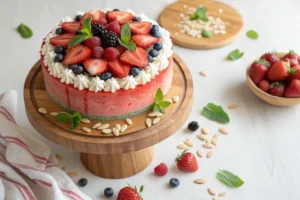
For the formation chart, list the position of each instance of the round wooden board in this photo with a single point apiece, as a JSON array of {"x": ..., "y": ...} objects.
[
  {"x": 169, "y": 19},
  {"x": 136, "y": 137}
]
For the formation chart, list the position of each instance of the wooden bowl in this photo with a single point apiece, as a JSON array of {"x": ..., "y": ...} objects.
[{"x": 270, "y": 99}]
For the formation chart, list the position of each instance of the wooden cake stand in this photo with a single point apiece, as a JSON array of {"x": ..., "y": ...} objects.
[{"x": 107, "y": 155}]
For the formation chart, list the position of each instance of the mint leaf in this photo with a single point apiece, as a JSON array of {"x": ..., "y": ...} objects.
[
  {"x": 86, "y": 26},
  {"x": 78, "y": 39},
  {"x": 200, "y": 14},
  {"x": 160, "y": 104},
  {"x": 129, "y": 45},
  {"x": 141, "y": 189},
  {"x": 165, "y": 104},
  {"x": 159, "y": 96},
  {"x": 291, "y": 52},
  {"x": 155, "y": 108},
  {"x": 206, "y": 33},
  {"x": 252, "y": 34},
  {"x": 235, "y": 54},
  {"x": 215, "y": 113},
  {"x": 24, "y": 31},
  {"x": 68, "y": 118},
  {"x": 125, "y": 33},
  {"x": 229, "y": 179},
  {"x": 86, "y": 33},
  {"x": 162, "y": 109}
]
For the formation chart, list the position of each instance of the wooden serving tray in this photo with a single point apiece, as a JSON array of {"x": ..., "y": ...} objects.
[{"x": 105, "y": 154}]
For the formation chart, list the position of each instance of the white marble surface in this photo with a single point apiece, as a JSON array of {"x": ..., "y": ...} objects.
[{"x": 263, "y": 143}]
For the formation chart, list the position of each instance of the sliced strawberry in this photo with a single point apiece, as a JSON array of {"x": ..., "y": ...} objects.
[
  {"x": 77, "y": 54},
  {"x": 95, "y": 14},
  {"x": 95, "y": 66},
  {"x": 101, "y": 21},
  {"x": 140, "y": 28},
  {"x": 121, "y": 17},
  {"x": 119, "y": 69},
  {"x": 62, "y": 40},
  {"x": 70, "y": 27},
  {"x": 114, "y": 27},
  {"x": 144, "y": 41},
  {"x": 137, "y": 58}
]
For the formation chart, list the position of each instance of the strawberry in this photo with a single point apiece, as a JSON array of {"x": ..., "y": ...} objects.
[
  {"x": 277, "y": 89},
  {"x": 140, "y": 28},
  {"x": 272, "y": 58},
  {"x": 93, "y": 42},
  {"x": 114, "y": 27},
  {"x": 137, "y": 58},
  {"x": 161, "y": 169},
  {"x": 264, "y": 85},
  {"x": 100, "y": 21},
  {"x": 187, "y": 162},
  {"x": 258, "y": 70},
  {"x": 77, "y": 54},
  {"x": 295, "y": 75},
  {"x": 129, "y": 193},
  {"x": 111, "y": 54},
  {"x": 121, "y": 17},
  {"x": 62, "y": 40},
  {"x": 291, "y": 55},
  {"x": 95, "y": 66},
  {"x": 98, "y": 52},
  {"x": 121, "y": 49},
  {"x": 293, "y": 62},
  {"x": 70, "y": 27},
  {"x": 119, "y": 69},
  {"x": 95, "y": 14},
  {"x": 293, "y": 90},
  {"x": 144, "y": 41},
  {"x": 280, "y": 71}
]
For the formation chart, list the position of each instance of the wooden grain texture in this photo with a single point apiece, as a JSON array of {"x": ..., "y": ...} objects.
[
  {"x": 270, "y": 99},
  {"x": 169, "y": 19}
]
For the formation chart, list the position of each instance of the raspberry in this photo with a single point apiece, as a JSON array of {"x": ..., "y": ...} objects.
[
  {"x": 111, "y": 54},
  {"x": 97, "y": 52},
  {"x": 100, "y": 21},
  {"x": 114, "y": 27},
  {"x": 161, "y": 169},
  {"x": 193, "y": 126},
  {"x": 93, "y": 42}
]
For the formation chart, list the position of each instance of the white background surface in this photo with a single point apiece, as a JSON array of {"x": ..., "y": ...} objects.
[{"x": 264, "y": 141}]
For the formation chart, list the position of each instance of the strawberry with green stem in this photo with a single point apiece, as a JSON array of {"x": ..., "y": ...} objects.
[
  {"x": 277, "y": 89},
  {"x": 187, "y": 162},
  {"x": 130, "y": 193},
  {"x": 280, "y": 71},
  {"x": 258, "y": 70}
]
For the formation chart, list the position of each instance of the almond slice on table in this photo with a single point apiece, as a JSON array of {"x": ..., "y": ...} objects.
[
  {"x": 96, "y": 125},
  {"x": 222, "y": 194},
  {"x": 148, "y": 122},
  {"x": 42, "y": 110},
  {"x": 72, "y": 174},
  {"x": 115, "y": 131},
  {"x": 86, "y": 129},
  {"x": 123, "y": 128},
  {"x": 118, "y": 127},
  {"x": 210, "y": 154},
  {"x": 54, "y": 113},
  {"x": 175, "y": 98},
  {"x": 200, "y": 153},
  {"x": 106, "y": 131},
  {"x": 208, "y": 146},
  {"x": 211, "y": 191},
  {"x": 182, "y": 146},
  {"x": 85, "y": 120},
  {"x": 188, "y": 143},
  {"x": 232, "y": 106},
  {"x": 128, "y": 121},
  {"x": 156, "y": 120},
  {"x": 103, "y": 126},
  {"x": 202, "y": 137},
  {"x": 223, "y": 131},
  {"x": 199, "y": 181},
  {"x": 214, "y": 141},
  {"x": 208, "y": 140},
  {"x": 205, "y": 131}
]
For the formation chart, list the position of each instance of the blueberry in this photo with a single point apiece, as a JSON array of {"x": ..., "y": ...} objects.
[
  {"x": 156, "y": 34},
  {"x": 59, "y": 31},
  {"x": 108, "y": 192},
  {"x": 150, "y": 58},
  {"x": 72, "y": 67},
  {"x": 158, "y": 46},
  {"x": 105, "y": 76},
  {"x": 174, "y": 182},
  {"x": 59, "y": 58},
  {"x": 82, "y": 182},
  {"x": 136, "y": 19},
  {"x": 59, "y": 50},
  {"x": 78, "y": 18},
  {"x": 116, "y": 9},
  {"x": 154, "y": 29},
  {"x": 78, "y": 70},
  {"x": 153, "y": 53},
  {"x": 134, "y": 71}
]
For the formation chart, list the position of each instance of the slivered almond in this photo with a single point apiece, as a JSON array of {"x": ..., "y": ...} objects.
[
  {"x": 128, "y": 121},
  {"x": 96, "y": 125},
  {"x": 188, "y": 143},
  {"x": 175, "y": 99},
  {"x": 106, "y": 131},
  {"x": 210, "y": 154},
  {"x": 148, "y": 122},
  {"x": 211, "y": 191},
  {"x": 156, "y": 120},
  {"x": 208, "y": 140},
  {"x": 64, "y": 167},
  {"x": 202, "y": 73},
  {"x": 58, "y": 156},
  {"x": 232, "y": 106},
  {"x": 86, "y": 129},
  {"x": 115, "y": 131},
  {"x": 208, "y": 146},
  {"x": 123, "y": 128},
  {"x": 216, "y": 136},
  {"x": 85, "y": 120},
  {"x": 182, "y": 146},
  {"x": 222, "y": 194},
  {"x": 199, "y": 181},
  {"x": 214, "y": 141},
  {"x": 200, "y": 153},
  {"x": 42, "y": 110},
  {"x": 54, "y": 113},
  {"x": 202, "y": 137},
  {"x": 72, "y": 174},
  {"x": 223, "y": 131},
  {"x": 103, "y": 126},
  {"x": 159, "y": 114},
  {"x": 118, "y": 127},
  {"x": 152, "y": 114},
  {"x": 205, "y": 131}
]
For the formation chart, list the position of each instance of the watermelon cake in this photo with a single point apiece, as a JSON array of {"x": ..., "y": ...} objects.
[{"x": 107, "y": 64}]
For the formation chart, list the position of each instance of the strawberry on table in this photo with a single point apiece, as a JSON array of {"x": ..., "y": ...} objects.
[
  {"x": 264, "y": 85},
  {"x": 114, "y": 27},
  {"x": 70, "y": 27},
  {"x": 62, "y": 40},
  {"x": 258, "y": 70},
  {"x": 136, "y": 58},
  {"x": 144, "y": 41},
  {"x": 271, "y": 57},
  {"x": 129, "y": 193},
  {"x": 277, "y": 89},
  {"x": 280, "y": 71},
  {"x": 77, "y": 54},
  {"x": 121, "y": 17},
  {"x": 187, "y": 162},
  {"x": 119, "y": 69},
  {"x": 93, "y": 42},
  {"x": 161, "y": 169},
  {"x": 95, "y": 14},
  {"x": 293, "y": 90},
  {"x": 95, "y": 66},
  {"x": 140, "y": 28}
]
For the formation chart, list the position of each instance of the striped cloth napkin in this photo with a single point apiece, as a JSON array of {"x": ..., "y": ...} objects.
[{"x": 28, "y": 167}]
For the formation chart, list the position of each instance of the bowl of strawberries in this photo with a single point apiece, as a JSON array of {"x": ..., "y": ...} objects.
[{"x": 275, "y": 78}]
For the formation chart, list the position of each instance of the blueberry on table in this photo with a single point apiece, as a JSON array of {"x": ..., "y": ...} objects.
[
  {"x": 150, "y": 58},
  {"x": 136, "y": 19},
  {"x": 72, "y": 67},
  {"x": 193, "y": 126},
  {"x": 134, "y": 71},
  {"x": 78, "y": 70},
  {"x": 59, "y": 31},
  {"x": 82, "y": 182},
  {"x": 108, "y": 192},
  {"x": 59, "y": 50},
  {"x": 105, "y": 76},
  {"x": 153, "y": 53},
  {"x": 158, "y": 46},
  {"x": 59, "y": 58},
  {"x": 78, "y": 18},
  {"x": 174, "y": 182},
  {"x": 116, "y": 9}
]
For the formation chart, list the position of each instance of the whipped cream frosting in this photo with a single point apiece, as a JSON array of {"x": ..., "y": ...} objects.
[{"x": 95, "y": 84}]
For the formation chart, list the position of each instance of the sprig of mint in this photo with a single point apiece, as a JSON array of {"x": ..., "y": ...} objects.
[
  {"x": 160, "y": 104},
  {"x": 235, "y": 54},
  {"x": 68, "y": 118},
  {"x": 200, "y": 14},
  {"x": 125, "y": 39},
  {"x": 215, "y": 113},
  {"x": 229, "y": 179},
  {"x": 252, "y": 34},
  {"x": 86, "y": 33},
  {"x": 24, "y": 31}
]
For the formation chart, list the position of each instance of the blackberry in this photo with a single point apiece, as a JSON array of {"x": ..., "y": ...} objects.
[
  {"x": 193, "y": 126},
  {"x": 109, "y": 39},
  {"x": 98, "y": 30}
]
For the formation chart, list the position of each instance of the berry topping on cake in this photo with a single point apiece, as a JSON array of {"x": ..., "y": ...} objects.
[
  {"x": 59, "y": 50},
  {"x": 140, "y": 28},
  {"x": 105, "y": 76},
  {"x": 114, "y": 27},
  {"x": 121, "y": 17},
  {"x": 136, "y": 19},
  {"x": 111, "y": 54},
  {"x": 144, "y": 41},
  {"x": 77, "y": 54},
  {"x": 158, "y": 46},
  {"x": 93, "y": 42},
  {"x": 137, "y": 58},
  {"x": 98, "y": 30},
  {"x": 155, "y": 31},
  {"x": 59, "y": 31},
  {"x": 70, "y": 27},
  {"x": 59, "y": 58},
  {"x": 153, "y": 53},
  {"x": 98, "y": 52},
  {"x": 110, "y": 39},
  {"x": 79, "y": 69},
  {"x": 62, "y": 40},
  {"x": 95, "y": 14},
  {"x": 95, "y": 66},
  {"x": 134, "y": 71},
  {"x": 119, "y": 69},
  {"x": 78, "y": 18}
]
